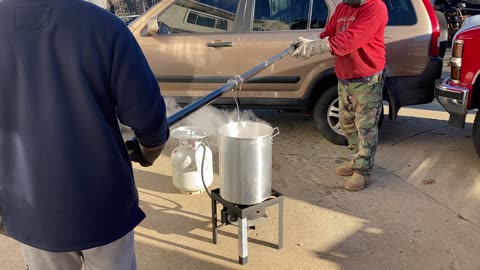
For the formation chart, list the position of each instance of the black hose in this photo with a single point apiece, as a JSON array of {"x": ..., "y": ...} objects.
[{"x": 201, "y": 169}]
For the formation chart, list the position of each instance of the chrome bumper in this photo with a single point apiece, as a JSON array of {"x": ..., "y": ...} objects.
[{"x": 454, "y": 100}]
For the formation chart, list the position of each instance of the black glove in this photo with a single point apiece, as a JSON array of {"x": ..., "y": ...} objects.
[{"x": 143, "y": 155}]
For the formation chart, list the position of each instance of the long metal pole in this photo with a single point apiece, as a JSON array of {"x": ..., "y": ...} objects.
[
  {"x": 230, "y": 85},
  {"x": 132, "y": 144}
]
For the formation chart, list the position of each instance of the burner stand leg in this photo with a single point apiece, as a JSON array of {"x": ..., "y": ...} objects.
[
  {"x": 280, "y": 223},
  {"x": 242, "y": 240},
  {"x": 214, "y": 221}
]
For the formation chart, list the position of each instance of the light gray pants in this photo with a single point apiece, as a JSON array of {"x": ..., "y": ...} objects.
[{"x": 118, "y": 255}]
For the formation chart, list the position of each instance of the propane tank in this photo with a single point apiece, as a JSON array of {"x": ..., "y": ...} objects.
[{"x": 187, "y": 160}]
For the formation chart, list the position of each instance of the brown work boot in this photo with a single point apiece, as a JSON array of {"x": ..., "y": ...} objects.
[
  {"x": 357, "y": 182},
  {"x": 345, "y": 169}
]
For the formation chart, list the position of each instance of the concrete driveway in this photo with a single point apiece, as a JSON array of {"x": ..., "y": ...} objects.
[{"x": 420, "y": 212}]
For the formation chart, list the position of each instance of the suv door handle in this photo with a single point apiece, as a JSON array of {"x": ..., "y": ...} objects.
[{"x": 219, "y": 44}]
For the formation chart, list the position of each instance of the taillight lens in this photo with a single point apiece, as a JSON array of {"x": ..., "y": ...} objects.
[
  {"x": 456, "y": 61},
  {"x": 435, "y": 45},
  {"x": 455, "y": 73},
  {"x": 457, "y": 48}
]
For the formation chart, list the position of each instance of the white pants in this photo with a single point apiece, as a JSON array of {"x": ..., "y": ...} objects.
[{"x": 118, "y": 255}]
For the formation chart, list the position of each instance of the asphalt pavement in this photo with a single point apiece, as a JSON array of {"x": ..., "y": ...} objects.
[{"x": 420, "y": 211}]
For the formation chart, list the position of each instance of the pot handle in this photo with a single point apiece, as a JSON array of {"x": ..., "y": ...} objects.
[{"x": 276, "y": 132}]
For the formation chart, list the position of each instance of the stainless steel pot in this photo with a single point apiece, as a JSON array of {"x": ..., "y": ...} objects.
[{"x": 246, "y": 161}]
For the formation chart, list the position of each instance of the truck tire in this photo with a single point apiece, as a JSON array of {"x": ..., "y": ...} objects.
[
  {"x": 476, "y": 133},
  {"x": 326, "y": 116}
]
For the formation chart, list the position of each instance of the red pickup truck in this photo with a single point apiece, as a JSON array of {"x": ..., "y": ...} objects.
[{"x": 460, "y": 92}]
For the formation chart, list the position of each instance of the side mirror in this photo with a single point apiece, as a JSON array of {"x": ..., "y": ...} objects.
[{"x": 152, "y": 27}]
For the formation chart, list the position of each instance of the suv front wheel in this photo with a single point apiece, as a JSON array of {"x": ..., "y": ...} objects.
[{"x": 326, "y": 116}]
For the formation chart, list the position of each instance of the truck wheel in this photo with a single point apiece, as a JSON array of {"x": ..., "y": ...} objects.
[
  {"x": 476, "y": 133},
  {"x": 326, "y": 116}
]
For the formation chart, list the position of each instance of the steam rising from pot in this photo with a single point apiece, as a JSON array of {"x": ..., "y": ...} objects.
[{"x": 209, "y": 117}]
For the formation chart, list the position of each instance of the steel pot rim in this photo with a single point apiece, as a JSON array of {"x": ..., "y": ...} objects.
[{"x": 274, "y": 131}]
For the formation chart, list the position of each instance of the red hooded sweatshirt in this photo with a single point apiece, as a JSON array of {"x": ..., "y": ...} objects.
[{"x": 356, "y": 36}]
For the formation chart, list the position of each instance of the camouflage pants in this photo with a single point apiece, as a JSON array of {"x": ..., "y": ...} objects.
[{"x": 360, "y": 107}]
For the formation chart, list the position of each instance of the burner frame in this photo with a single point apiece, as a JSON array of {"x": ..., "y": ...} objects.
[{"x": 242, "y": 214}]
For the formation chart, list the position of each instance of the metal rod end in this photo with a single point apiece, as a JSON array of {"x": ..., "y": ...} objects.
[{"x": 243, "y": 261}]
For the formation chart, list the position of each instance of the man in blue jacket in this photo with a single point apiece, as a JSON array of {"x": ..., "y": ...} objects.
[{"x": 68, "y": 70}]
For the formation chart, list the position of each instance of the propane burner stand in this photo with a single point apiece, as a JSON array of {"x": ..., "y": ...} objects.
[{"x": 241, "y": 212}]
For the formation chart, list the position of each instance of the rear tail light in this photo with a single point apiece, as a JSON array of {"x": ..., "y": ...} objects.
[
  {"x": 456, "y": 61},
  {"x": 435, "y": 43}
]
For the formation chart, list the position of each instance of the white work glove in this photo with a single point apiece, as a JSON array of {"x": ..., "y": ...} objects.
[{"x": 304, "y": 48}]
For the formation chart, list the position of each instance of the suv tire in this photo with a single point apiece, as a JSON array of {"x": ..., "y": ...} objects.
[
  {"x": 326, "y": 116},
  {"x": 476, "y": 133}
]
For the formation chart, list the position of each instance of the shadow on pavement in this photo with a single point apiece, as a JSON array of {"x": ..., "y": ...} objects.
[
  {"x": 150, "y": 255},
  {"x": 167, "y": 217},
  {"x": 154, "y": 181},
  {"x": 402, "y": 219},
  {"x": 398, "y": 222}
]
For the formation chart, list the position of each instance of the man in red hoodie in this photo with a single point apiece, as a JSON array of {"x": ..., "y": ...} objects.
[{"x": 355, "y": 35}]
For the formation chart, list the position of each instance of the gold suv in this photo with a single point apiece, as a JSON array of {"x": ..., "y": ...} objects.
[{"x": 194, "y": 47}]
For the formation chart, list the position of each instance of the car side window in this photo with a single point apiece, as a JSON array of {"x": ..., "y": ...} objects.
[
  {"x": 278, "y": 15},
  {"x": 400, "y": 12},
  {"x": 319, "y": 14},
  {"x": 200, "y": 16}
]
